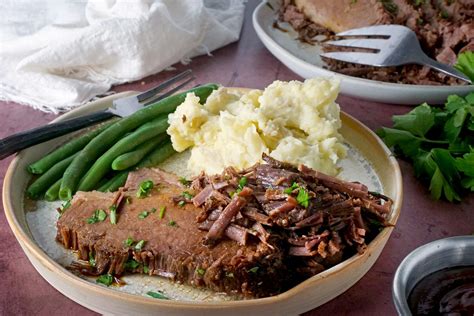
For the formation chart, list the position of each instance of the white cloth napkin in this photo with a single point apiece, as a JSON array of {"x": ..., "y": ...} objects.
[{"x": 57, "y": 54}]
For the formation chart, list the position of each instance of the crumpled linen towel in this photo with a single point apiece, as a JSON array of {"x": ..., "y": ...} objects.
[{"x": 55, "y": 54}]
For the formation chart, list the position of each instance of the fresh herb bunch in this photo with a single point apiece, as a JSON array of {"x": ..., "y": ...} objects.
[
  {"x": 440, "y": 144},
  {"x": 465, "y": 64}
]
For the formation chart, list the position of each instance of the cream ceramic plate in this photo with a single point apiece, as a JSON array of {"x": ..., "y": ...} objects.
[
  {"x": 304, "y": 60},
  {"x": 369, "y": 160}
]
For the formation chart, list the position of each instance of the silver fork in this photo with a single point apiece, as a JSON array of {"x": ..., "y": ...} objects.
[
  {"x": 397, "y": 45},
  {"x": 120, "y": 107}
]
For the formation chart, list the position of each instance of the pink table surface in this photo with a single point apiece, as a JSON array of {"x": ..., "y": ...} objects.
[{"x": 246, "y": 63}]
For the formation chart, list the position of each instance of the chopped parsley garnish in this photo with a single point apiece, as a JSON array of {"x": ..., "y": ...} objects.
[
  {"x": 242, "y": 183},
  {"x": 65, "y": 206},
  {"x": 98, "y": 216},
  {"x": 143, "y": 215},
  {"x": 172, "y": 223},
  {"x": 181, "y": 203},
  {"x": 127, "y": 200},
  {"x": 201, "y": 271},
  {"x": 91, "y": 259},
  {"x": 146, "y": 269},
  {"x": 162, "y": 212},
  {"x": 144, "y": 189},
  {"x": 187, "y": 195},
  {"x": 184, "y": 181},
  {"x": 159, "y": 295},
  {"x": 113, "y": 214},
  {"x": 303, "y": 197},
  {"x": 129, "y": 241},
  {"x": 253, "y": 270},
  {"x": 106, "y": 279},
  {"x": 131, "y": 264},
  {"x": 152, "y": 210},
  {"x": 293, "y": 187},
  {"x": 139, "y": 245}
]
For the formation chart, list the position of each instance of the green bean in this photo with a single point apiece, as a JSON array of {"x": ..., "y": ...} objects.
[
  {"x": 41, "y": 184},
  {"x": 52, "y": 193},
  {"x": 160, "y": 154},
  {"x": 104, "y": 186},
  {"x": 104, "y": 140},
  {"x": 133, "y": 157},
  {"x": 103, "y": 164},
  {"x": 103, "y": 181},
  {"x": 66, "y": 150},
  {"x": 115, "y": 182}
]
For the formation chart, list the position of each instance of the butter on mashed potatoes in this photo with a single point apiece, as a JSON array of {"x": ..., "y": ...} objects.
[{"x": 294, "y": 121}]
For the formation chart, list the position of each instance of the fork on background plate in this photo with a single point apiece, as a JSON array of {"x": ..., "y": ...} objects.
[
  {"x": 395, "y": 45},
  {"x": 120, "y": 107}
]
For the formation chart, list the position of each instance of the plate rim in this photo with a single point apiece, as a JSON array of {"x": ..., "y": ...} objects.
[{"x": 50, "y": 264}]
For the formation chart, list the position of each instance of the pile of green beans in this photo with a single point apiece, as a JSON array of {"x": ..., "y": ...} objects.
[{"x": 101, "y": 159}]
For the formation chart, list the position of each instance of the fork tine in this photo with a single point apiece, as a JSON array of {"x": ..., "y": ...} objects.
[
  {"x": 371, "y": 59},
  {"x": 170, "y": 92},
  {"x": 153, "y": 91},
  {"x": 381, "y": 30},
  {"x": 370, "y": 43}
]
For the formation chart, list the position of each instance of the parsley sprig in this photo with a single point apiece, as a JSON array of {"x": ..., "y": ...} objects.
[
  {"x": 465, "y": 64},
  {"x": 440, "y": 144}
]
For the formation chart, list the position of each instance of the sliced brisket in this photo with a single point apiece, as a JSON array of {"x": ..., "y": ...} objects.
[{"x": 173, "y": 246}]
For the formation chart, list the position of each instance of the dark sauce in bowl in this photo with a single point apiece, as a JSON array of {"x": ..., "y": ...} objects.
[{"x": 445, "y": 292}]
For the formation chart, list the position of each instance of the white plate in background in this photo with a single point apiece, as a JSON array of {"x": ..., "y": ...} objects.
[{"x": 304, "y": 60}]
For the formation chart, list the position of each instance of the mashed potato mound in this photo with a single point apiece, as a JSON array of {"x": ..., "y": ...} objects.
[{"x": 294, "y": 121}]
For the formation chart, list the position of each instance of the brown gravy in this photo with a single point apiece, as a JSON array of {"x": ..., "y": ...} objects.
[{"x": 445, "y": 292}]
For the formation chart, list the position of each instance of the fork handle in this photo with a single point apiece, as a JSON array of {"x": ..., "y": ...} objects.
[
  {"x": 22, "y": 140},
  {"x": 447, "y": 69}
]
